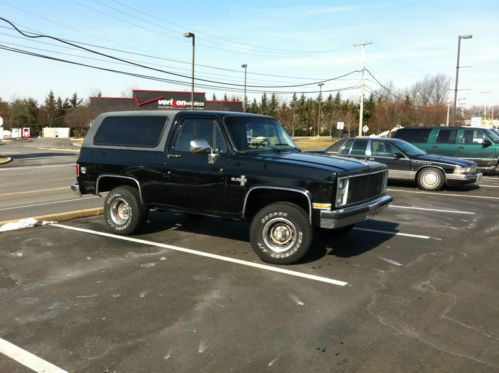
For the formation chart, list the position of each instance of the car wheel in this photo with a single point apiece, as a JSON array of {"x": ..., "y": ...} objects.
[
  {"x": 123, "y": 211},
  {"x": 431, "y": 179},
  {"x": 281, "y": 233}
]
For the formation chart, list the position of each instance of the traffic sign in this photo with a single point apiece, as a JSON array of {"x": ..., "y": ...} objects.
[
  {"x": 365, "y": 129},
  {"x": 340, "y": 125}
]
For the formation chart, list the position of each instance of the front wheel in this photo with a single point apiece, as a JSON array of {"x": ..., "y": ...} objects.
[
  {"x": 431, "y": 179},
  {"x": 123, "y": 211},
  {"x": 281, "y": 233}
]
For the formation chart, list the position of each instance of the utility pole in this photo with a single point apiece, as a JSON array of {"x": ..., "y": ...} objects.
[
  {"x": 320, "y": 99},
  {"x": 457, "y": 75},
  {"x": 193, "y": 37},
  {"x": 363, "y": 57}
]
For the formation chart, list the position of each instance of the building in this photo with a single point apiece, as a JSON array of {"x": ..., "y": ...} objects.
[{"x": 161, "y": 100}]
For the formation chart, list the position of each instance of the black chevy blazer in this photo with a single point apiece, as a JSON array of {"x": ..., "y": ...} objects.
[{"x": 231, "y": 165}]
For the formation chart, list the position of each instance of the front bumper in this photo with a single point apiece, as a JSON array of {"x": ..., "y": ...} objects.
[
  {"x": 458, "y": 179},
  {"x": 332, "y": 219}
]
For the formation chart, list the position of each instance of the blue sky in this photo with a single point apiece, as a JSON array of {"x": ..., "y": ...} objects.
[{"x": 283, "y": 43}]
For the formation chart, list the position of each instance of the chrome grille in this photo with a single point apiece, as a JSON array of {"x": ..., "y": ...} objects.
[{"x": 360, "y": 188}]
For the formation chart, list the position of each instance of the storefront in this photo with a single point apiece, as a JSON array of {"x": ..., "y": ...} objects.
[{"x": 160, "y": 100}]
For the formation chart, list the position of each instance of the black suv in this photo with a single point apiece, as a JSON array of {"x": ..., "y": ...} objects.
[{"x": 225, "y": 164}]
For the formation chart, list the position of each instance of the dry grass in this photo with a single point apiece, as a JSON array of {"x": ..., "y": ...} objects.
[{"x": 308, "y": 143}]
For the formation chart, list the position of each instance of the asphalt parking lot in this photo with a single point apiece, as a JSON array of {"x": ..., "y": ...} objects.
[{"x": 413, "y": 290}]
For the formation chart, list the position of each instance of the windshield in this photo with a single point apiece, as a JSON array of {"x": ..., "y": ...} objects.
[
  {"x": 409, "y": 149},
  {"x": 254, "y": 133},
  {"x": 494, "y": 134}
]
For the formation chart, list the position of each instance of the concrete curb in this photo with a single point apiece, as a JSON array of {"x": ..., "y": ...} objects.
[{"x": 58, "y": 217}]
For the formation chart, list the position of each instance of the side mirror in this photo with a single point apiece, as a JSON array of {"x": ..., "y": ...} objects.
[
  {"x": 398, "y": 155},
  {"x": 199, "y": 146},
  {"x": 486, "y": 142}
]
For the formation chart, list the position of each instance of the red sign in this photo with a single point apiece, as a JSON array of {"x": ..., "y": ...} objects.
[{"x": 26, "y": 133}]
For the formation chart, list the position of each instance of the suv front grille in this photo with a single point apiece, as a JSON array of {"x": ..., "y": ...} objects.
[{"x": 360, "y": 188}]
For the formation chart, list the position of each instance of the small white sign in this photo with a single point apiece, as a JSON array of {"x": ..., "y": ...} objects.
[
  {"x": 340, "y": 125},
  {"x": 365, "y": 129},
  {"x": 1, "y": 121}
]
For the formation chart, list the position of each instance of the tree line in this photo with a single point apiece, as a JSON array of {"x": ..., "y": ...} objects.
[{"x": 423, "y": 103}]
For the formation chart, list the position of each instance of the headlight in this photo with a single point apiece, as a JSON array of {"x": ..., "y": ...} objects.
[
  {"x": 462, "y": 170},
  {"x": 342, "y": 192}
]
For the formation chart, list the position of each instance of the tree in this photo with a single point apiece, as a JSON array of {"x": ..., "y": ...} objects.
[{"x": 75, "y": 101}]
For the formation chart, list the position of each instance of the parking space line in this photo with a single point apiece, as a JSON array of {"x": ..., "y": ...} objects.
[
  {"x": 27, "y": 359},
  {"x": 22, "y": 168},
  {"x": 433, "y": 210},
  {"x": 34, "y": 191},
  {"x": 47, "y": 203},
  {"x": 441, "y": 194},
  {"x": 488, "y": 186},
  {"x": 392, "y": 233},
  {"x": 270, "y": 268}
]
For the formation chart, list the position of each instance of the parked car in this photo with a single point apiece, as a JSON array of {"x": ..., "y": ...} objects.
[
  {"x": 480, "y": 145},
  {"x": 407, "y": 162},
  {"x": 231, "y": 165}
]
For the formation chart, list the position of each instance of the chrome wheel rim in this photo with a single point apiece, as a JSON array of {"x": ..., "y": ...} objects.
[
  {"x": 279, "y": 234},
  {"x": 120, "y": 211},
  {"x": 431, "y": 179}
]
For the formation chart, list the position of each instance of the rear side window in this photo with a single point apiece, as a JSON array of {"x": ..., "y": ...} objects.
[
  {"x": 413, "y": 134},
  {"x": 134, "y": 131},
  {"x": 447, "y": 136},
  {"x": 359, "y": 147}
]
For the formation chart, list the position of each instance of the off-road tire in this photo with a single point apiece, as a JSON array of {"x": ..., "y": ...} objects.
[
  {"x": 431, "y": 179},
  {"x": 133, "y": 213},
  {"x": 281, "y": 233}
]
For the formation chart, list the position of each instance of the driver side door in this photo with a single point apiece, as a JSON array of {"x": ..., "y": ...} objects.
[{"x": 191, "y": 183}]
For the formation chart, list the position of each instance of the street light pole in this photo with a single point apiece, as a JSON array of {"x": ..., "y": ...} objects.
[
  {"x": 457, "y": 74},
  {"x": 320, "y": 100},
  {"x": 361, "y": 109},
  {"x": 245, "y": 67},
  {"x": 191, "y": 35}
]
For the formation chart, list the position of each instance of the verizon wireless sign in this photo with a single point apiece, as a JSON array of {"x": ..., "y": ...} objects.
[{"x": 178, "y": 104}]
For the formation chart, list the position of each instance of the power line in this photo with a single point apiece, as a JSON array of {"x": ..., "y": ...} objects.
[{"x": 36, "y": 36}]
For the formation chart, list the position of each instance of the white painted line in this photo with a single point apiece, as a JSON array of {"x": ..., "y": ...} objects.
[
  {"x": 392, "y": 233},
  {"x": 428, "y": 209},
  {"x": 28, "y": 359},
  {"x": 442, "y": 194},
  {"x": 488, "y": 186},
  {"x": 326, "y": 280},
  {"x": 390, "y": 261},
  {"x": 47, "y": 203},
  {"x": 34, "y": 191},
  {"x": 22, "y": 168}
]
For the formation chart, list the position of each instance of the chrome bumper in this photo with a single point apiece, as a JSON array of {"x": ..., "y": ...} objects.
[
  {"x": 332, "y": 219},
  {"x": 465, "y": 178},
  {"x": 76, "y": 188}
]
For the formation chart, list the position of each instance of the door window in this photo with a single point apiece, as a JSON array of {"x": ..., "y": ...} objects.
[
  {"x": 447, "y": 136},
  {"x": 382, "y": 149},
  {"x": 359, "y": 147},
  {"x": 196, "y": 128},
  {"x": 473, "y": 137}
]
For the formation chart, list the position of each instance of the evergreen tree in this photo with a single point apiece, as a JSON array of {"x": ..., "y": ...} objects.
[
  {"x": 273, "y": 105},
  {"x": 75, "y": 101},
  {"x": 263, "y": 104},
  {"x": 49, "y": 110},
  {"x": 214, "y": 97}
]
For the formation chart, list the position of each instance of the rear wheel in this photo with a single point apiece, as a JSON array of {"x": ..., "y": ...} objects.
[
  {"x": 431, "y": 179},
  {"x": 123, "y": 211},
  {"x": 280, "y": 233}
]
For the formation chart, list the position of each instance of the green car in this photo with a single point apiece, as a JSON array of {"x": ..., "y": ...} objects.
[{"x": 480, "y": 145}]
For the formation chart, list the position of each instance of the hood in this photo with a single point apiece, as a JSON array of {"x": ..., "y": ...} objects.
[
  {"x": 444, "y": 159},
  {"x": 336, "y": 164}
]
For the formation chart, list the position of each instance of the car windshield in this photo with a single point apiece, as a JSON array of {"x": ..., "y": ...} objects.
[
  {"x": 494, "y": 134},
  {"x": 409, "y": 149},
  {"x": 258, "y": 133}
]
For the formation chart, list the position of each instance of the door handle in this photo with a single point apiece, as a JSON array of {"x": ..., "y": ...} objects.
[
  {"x": 461, "y": 147},
  {"x": 173, "y": 156}
]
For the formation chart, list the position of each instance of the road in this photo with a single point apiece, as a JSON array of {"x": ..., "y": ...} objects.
[
  {"x": 37, "y": 181},
  {"x": 415, "y": 290}
]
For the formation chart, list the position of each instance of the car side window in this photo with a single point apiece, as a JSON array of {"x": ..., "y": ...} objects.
[
  {"x": 446, "y": 136},
  {"x": 197, "y": 128},
  {"x": 472, "y": 137},
  {"x": 359, "y": 147},
  {"x": 347, "y": 147},
  {"x": 381, "y": 148}
]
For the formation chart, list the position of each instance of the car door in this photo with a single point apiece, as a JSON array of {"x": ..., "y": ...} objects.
[
  {"x": 472, "y": 147},
  {"x": 445, "y": 142},
  {"x": 398, "y": 164},
  {"x": 190, "y": 181}
]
